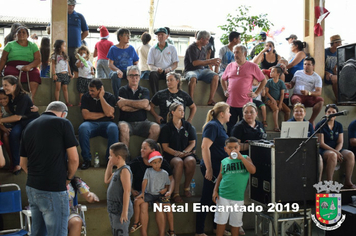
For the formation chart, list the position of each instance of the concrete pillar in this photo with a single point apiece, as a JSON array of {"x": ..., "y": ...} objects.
[
  {"x": 315, "y": 44},
  {"x": 59, "y": 17}
]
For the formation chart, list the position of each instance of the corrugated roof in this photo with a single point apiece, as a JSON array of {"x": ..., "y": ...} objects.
[{"x": 91, "y": 21}]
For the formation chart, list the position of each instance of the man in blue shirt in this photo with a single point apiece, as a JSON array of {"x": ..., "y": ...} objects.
[{"x": 77, "y": 31}]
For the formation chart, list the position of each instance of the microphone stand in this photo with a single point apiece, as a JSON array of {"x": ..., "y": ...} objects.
[{"x": 304, "y": 177}]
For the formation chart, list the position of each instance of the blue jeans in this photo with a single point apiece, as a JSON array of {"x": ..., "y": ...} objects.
[
  {"x": 14, "y": 139},
  {"x": 50, "y": 212},
  {"x": 116, "y": 82},
  {"x": 91, "y": 129}
]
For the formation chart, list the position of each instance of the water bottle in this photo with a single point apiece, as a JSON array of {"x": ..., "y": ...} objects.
[
  {"x": 192, "y": 188},
  {"x": 96, "y": 160}
]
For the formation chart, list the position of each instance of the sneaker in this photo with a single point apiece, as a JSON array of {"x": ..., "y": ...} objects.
[{"x": 85, "y": 165}]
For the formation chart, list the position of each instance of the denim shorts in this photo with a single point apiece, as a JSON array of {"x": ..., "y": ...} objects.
[
  {"x": 205, "y": 75},
  {"x": 63, "y": 78}
]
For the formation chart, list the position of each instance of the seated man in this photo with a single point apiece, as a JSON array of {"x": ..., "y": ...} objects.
[
  {"x": 331, "y": 62},
  {"x": 164, "y": 98},
  {"x": 307, "y": 89},
  {"x": 133, "y": 103},
  {"x": 162, "y": 59},
  {"x": 194, "y": 63},
  {"x": 98, "y": 113}
]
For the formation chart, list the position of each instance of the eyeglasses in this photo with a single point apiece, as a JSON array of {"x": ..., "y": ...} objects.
[
  {"x": 299, "y": 105},
  {"x": 134, "y": 75}
]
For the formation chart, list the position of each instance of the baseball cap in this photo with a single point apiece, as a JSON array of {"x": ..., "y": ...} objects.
[
  {"x": 161, "y": 30},
  {"x": 72, "y": 2},
  {"x": 293, "y": 36}
]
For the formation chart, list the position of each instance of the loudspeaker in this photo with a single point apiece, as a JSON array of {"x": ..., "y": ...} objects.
[
  {"x": 346, "y": 74},
  {"x": 275, "y": 179}
]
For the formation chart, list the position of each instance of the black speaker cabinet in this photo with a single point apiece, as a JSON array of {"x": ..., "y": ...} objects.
[
  {"x": 346, "y": 74},
  {"x": 275, "y": 179}
]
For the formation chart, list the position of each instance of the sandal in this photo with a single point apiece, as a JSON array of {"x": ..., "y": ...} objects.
[
  {"x": 69, "y": 104},
  {"x": 241, "y": 231},
  {"x": 187, "y": 192},
  {"x": 171, "y": 233},
  {"x": 211, "y": 103},
  {"x": 135, "y": 227},
  {"x": 264, "y": 123},
  {"x": 177, "y": 199},
  {"x": 277, "y": 130}
]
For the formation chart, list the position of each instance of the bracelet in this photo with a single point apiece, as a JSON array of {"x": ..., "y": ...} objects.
[{"x": 69, "y": 178}]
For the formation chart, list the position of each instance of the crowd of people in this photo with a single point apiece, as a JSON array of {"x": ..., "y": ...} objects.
[{"x": 169, "y": 149}]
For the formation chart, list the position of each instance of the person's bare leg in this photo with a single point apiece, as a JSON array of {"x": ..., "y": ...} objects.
[
  {"x": 275, "y": 119},
  {"x": 75, "y": 226},
  {"x": 321, "y": 166},
  {"x": 57, "y": 90},
  {"x": 124, "y": 133},
  {"x": 331, "y": 161},
  {"x": 154, "y": 132},
  {"x": 264, "y": 113},
  {"x": 316, "y": 110},
  {"x": 137, "y": 209},
  {"x": 177, "y": 164},
  {"x": 170, "y": 219},
  {"x": 33, "y": 87},
  {"x": 189, "y": 170},
  {"x": 349, "y": 159},
  {"x": 161, "y": 223},
  {"x": 220, "y": 229},
  {"x": 65, "y": 93},
  {"x": 235, "y": 231},
  {"x": 334, "y": 85},
  {"x": 213, "y": 86},
  {"x": 144, "y": 218},
  {"x": 191, "y": 86}
]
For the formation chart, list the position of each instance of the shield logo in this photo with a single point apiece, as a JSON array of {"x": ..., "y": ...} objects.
[{"x": 328, "y": 207}]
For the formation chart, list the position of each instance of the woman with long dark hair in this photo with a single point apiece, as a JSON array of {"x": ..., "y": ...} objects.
[{"x": 20, "y": 105}]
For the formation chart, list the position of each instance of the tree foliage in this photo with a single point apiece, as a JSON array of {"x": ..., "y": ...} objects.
[{"x": 242, "y": 20}]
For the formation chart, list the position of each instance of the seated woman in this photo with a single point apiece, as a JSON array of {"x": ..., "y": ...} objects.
[
  {"x": 248, "y": 128},
  {"x": 22, "y": 55},
  {"x": 138, "y": 167},
  {"x": 177, "y": 138},
  {"x": 268, "y": 57},
  {"x": 299, "y": 113},
  {"x": 20, "y": 105},
  {"x": 331, "y": 139},
  {"x": 75, "y": 222},
  {"x": 296, "y": 63}
]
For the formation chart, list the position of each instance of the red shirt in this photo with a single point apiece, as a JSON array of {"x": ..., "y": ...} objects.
[{"x": 102, "y": 48}]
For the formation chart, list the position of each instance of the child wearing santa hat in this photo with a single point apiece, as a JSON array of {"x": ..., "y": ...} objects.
[
  {"x": 101, "y": 51},
  {"x": 155, "y": 185}
]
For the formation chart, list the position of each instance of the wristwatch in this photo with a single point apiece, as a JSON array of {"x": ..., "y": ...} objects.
[
  {"x": 69, "y": 179},
  {"x": 309, "y": 93}
]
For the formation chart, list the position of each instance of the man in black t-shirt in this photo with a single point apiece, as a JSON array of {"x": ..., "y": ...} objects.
[
  {"x": 164, "y": 98},
  {"x": 134, "y": 104},
  {"x": 98, "y": 113},
  {"x": 50, "y": 158}
]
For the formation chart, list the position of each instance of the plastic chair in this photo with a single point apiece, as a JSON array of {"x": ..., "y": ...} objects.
[
  {"x": 81, "y": 209},
  {"x": 10, "y": 202}
]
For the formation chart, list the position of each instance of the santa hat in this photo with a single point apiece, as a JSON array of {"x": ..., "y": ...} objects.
[
  {"x": 153, "y": 156},
  {"x": 104, "y": 33}
]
